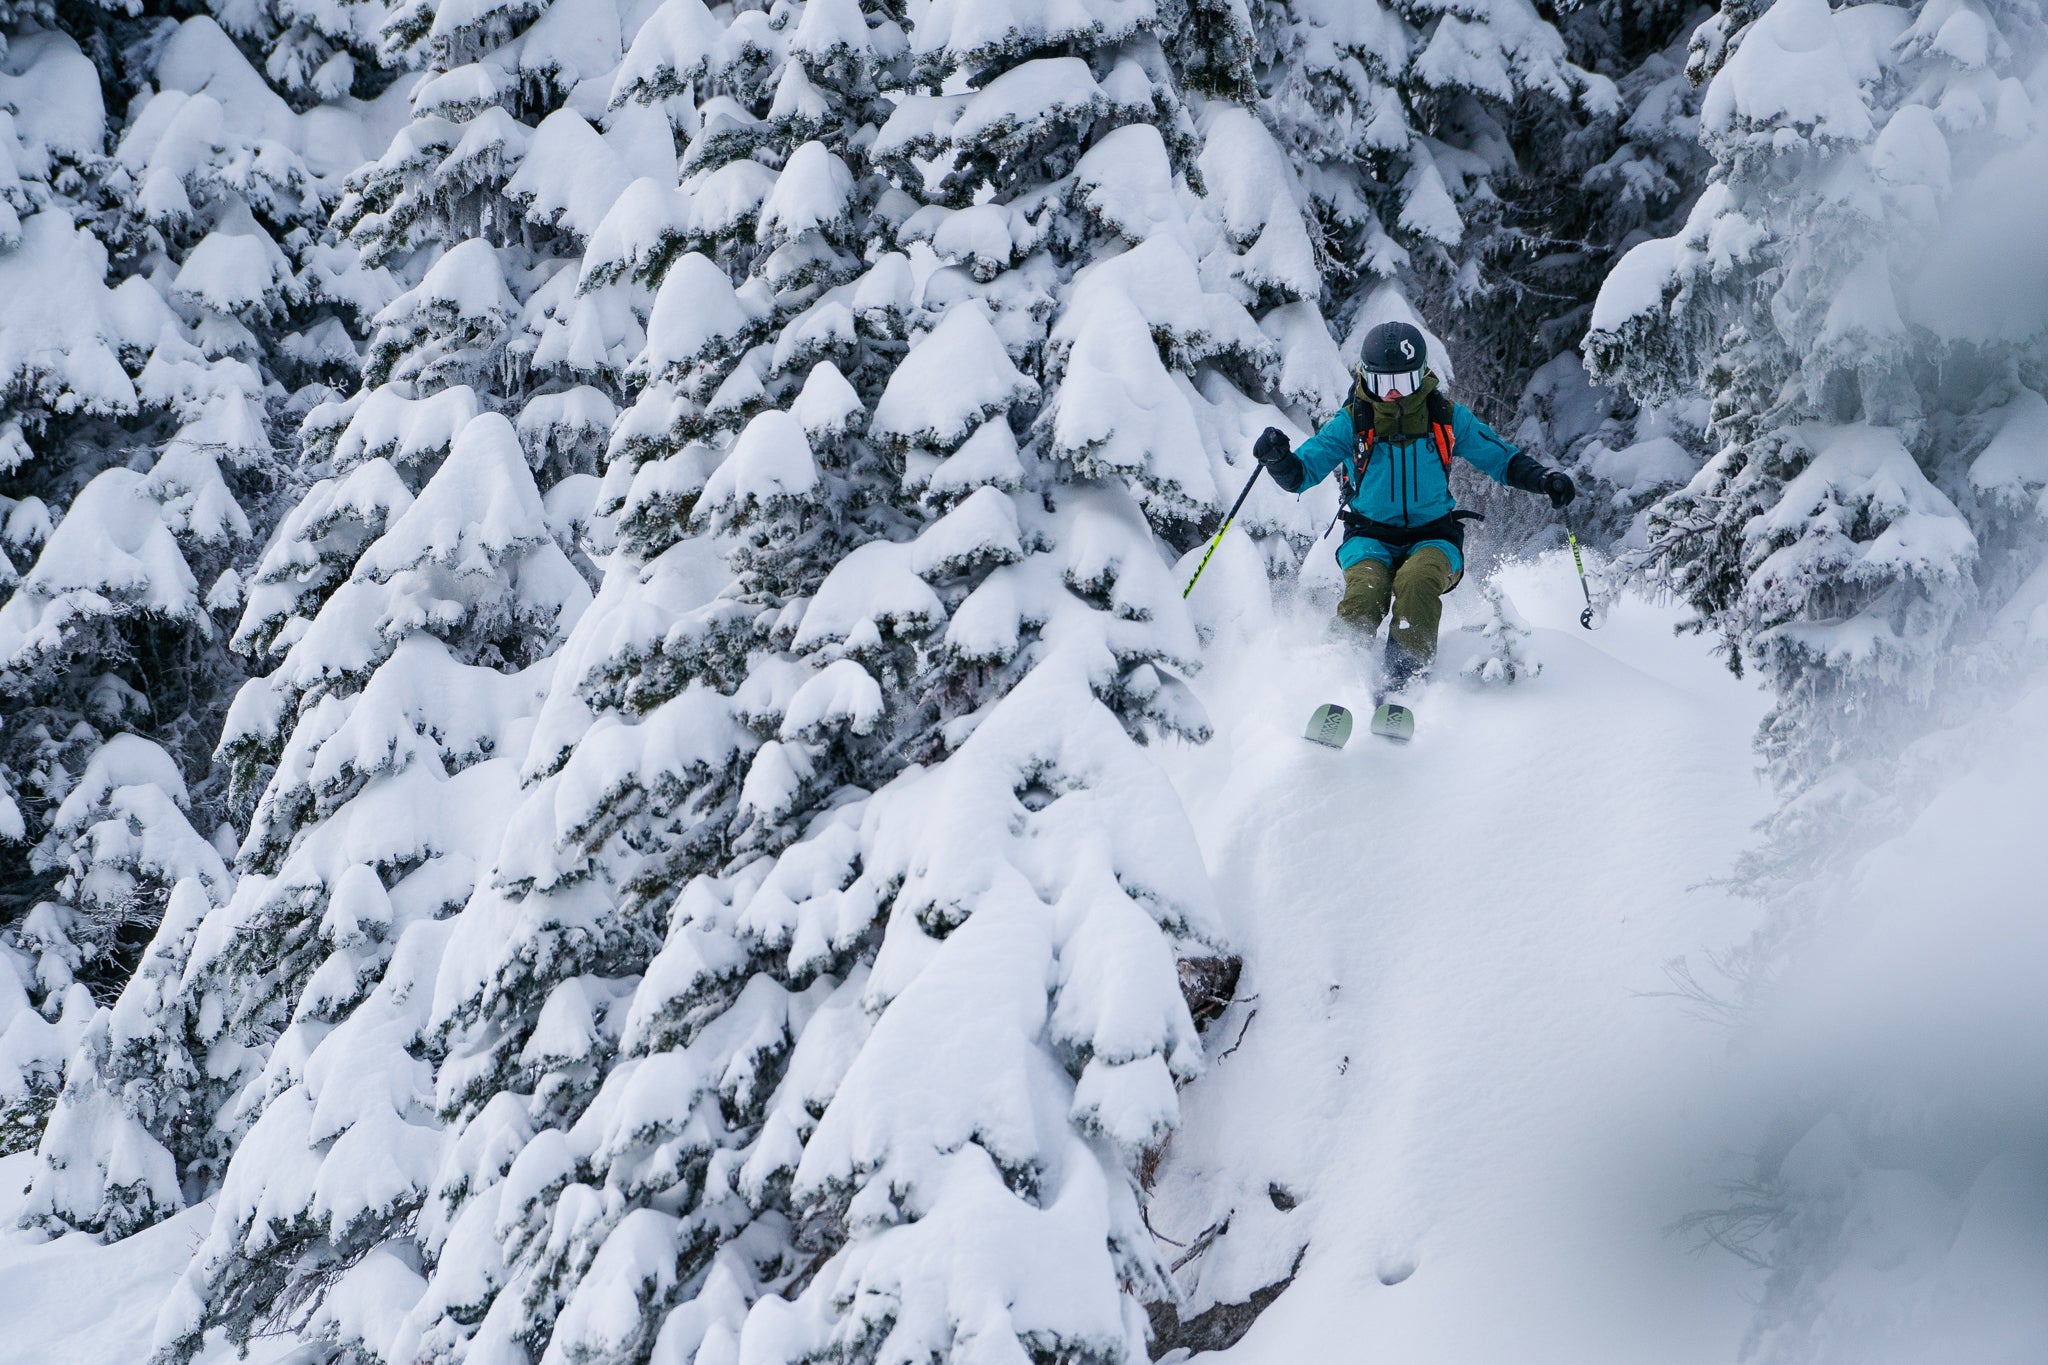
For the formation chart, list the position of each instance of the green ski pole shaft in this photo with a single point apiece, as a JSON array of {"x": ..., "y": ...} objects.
[
  {"x": 1218, "y": 540},
  {"x": 1586, "y": 616}
]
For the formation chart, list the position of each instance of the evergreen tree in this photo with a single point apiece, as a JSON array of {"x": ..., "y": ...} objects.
[
  {"x": 369, "y": 460},
  {"x": 402, "y": 694},
  {"x": 170, "y": 303},
  {"x": 696, "y": 730},
  {"x": 1852, "y": 535},
  {"x": 679, "y": 1008},
  {"x": 1087, "y": 283},
  {"x": 1857, "y": 297},
  {"x": 1412, "y": 125},
  {"x": 71, "y": 345},
  {"x": 1594, "y": 182},
  {"x": 409, "y": 606}
]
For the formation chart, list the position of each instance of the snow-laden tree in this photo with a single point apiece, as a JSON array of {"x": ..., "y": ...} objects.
[
  {"x": 1850, "y": 295},
  {"x": 834, "y": 809},
  {"x": 168, "y": 299},
  {"x": 406, "y": 609},
  {"x": 485, "y": 389},
  {"x": 1592, "y": 184},
  {"x": 401, "y": 698},
  {"x": 1033, "y": 862},
  {"x": 1858, "y": 297},
  {"x": 71, "y": 344},
  {"x": 410, "y": 603},
  {"x": 813, "y": 493},
  {"x": 367, "y": 460},
  {"x": 694, "y": 731},
  {"x": 1411, "y": 125}
]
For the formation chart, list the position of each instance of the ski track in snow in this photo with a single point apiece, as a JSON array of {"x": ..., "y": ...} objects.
[
  {"x": 1457, "y": 1066},
  {"x": 1463, "y": 1063}
]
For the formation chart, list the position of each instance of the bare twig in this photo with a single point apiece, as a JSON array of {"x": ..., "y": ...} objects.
[
  {"x": 1240, "y": 1036},
  {"x": 1203, "y": 1241},
  {"x": 1146, "y": 1214},
  {"x": 1700, "y": 1000},
  {"x": 1754, "y": 1209}
]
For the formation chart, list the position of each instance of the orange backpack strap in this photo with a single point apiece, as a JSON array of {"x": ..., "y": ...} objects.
[{"x": 1440, "y": 428}]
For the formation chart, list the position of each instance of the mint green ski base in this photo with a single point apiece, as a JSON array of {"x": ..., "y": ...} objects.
[
  {"x": 1331, "y": 725},
  {"x": 1395, "y": 721}
]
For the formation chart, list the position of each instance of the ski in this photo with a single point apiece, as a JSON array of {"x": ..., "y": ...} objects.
[
  {"x": 1394, "y": 721},
  {"x": 1330, "y": 725}
]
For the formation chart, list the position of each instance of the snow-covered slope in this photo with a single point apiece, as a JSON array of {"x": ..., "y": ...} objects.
[
  {"x": 75, "y": 1299},
  {"x": 1453, "y": 1053},
  {"x": 1452, "y": 1068}
]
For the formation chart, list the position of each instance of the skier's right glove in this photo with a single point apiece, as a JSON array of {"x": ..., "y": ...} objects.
[
  {"x": 1272, "y": 448},
  {"x": 1275, "y": 454},
  {"x": 1559, "y": 486}
]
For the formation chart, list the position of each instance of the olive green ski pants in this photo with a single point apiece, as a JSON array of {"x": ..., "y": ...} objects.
[{"x": 1415, "y": 590}]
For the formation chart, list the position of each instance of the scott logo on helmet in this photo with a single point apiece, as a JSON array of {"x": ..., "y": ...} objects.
[{"x": 1408, "y": 350}]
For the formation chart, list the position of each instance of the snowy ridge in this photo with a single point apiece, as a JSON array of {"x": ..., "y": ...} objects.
[
  {"x": 1474, "y": 1023},
  {"x": 1431, "y": 1094},
  {"x": 1454, "y": 1103},
  {"x": 1452, "y": 1074}
]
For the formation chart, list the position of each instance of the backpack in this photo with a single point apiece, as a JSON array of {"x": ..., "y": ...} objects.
[{"x": 1440, "y": 431}]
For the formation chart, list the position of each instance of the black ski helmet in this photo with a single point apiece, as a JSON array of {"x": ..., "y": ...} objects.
[{"x": 1393, "y": 348}]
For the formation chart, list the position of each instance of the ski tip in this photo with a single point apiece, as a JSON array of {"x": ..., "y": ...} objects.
[
  {"x": 1394, "y": 721},
  {"x": 1330, "y": 725}
]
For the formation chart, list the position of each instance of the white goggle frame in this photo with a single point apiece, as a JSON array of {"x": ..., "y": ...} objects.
[{"x": 1387, "y": 386}]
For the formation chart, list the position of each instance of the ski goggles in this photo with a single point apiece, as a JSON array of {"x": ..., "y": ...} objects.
[{"x": 1390, "y": 386}]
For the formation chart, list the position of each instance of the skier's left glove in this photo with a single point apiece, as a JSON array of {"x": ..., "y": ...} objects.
[{"x": 1559, "y": 486}]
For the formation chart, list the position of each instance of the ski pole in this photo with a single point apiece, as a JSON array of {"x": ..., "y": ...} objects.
[
  {"x": 1321, "y": 538},
  {"x": 1586, "y": 616},
  {"x": 1218, "y": 539}
]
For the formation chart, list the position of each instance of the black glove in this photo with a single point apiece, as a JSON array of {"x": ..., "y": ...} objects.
[
  {"x": 1275, "y": 454},
  {"x": 1273, "y": 447},
  {"x": 1559, "y": 486}
]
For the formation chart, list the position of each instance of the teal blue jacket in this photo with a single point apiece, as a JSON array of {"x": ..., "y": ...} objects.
[{"x": 1407, "y": 484}]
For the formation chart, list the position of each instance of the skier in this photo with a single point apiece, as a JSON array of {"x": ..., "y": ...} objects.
[{"x": 1391, "y": 447}]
